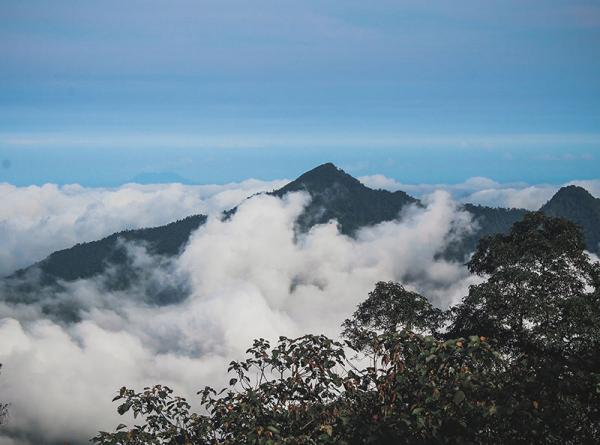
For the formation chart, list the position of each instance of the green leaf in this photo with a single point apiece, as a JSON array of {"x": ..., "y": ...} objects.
[{"x": 417, "y": 411}]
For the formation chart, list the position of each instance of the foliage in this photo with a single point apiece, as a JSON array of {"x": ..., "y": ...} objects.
[
  {"x": 283, "y": 394},
  {"x": 304, "y": 391},
  {"x": 537, "y": 277},
  {"x": 391, "y": 308},
  {"x": 541, "y": 305}
]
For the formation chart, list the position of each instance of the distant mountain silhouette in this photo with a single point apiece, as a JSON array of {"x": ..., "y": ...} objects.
[
  {"x": 108, "y": 258},
  {"x": 334, "y": 195}
]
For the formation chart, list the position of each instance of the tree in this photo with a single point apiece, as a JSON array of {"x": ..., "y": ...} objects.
[
  {"x": 539, "y": 280},
  {"x": 289, "y": 393},
  {"x": 540, "y": 305},
  {"x": 304, "y": 391},
  {"x": 390, "y": 308}
]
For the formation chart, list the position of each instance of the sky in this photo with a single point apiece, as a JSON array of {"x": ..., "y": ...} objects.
[{"x": 105, "y": 93}]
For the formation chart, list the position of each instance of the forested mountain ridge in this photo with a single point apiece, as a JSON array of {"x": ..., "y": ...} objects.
[
  {"x": 488, "y": 221},
  {"x": 334, "y": 195},
  {"x": 337, "y": 195},
  {"x": 85, "y": 260},
  {"x": 578, "y": 205}
]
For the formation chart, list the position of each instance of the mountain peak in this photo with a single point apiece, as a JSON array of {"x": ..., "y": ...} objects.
[
  {"x": 335, "y": 195},
  {"x": 327, "y": 170},
  {"x": 320, "y": 178},
  {"x": 327, "y": 167},
  {"x": 578, "y": 205}
]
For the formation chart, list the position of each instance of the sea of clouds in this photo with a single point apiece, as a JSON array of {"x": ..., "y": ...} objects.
[
  {"x": 38, "y": 220},
  {"x": 485, "y": 191},
  {"x": 249, "y": 276}
]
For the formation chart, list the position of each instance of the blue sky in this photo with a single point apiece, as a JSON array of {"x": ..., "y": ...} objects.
[{"x": 215, "y": 91}]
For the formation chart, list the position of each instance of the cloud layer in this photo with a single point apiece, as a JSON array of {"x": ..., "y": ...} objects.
[
  {"x": 485, "y": 191},
  {"x": 250, "y": 276},
  {"x": 37, "y": 220}
]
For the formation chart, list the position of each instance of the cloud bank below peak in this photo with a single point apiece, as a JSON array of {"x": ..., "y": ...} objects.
[
  {"x": 484, "y": 191},
  {"x": 38, "y": 220}
]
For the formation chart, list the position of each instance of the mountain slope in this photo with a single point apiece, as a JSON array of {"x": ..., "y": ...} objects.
[
  {"x": 89, "y": 259},
  {"x": 489, "y": 221},
  {"x": 337, "y": 195},
  {"x": 578, "y": 205}
]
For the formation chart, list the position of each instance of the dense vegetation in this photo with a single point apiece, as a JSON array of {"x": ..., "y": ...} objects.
[{"x": 515, "y": 362}]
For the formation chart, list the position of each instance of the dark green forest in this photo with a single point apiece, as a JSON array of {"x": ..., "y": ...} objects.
[{"x": 516, "y": 361}]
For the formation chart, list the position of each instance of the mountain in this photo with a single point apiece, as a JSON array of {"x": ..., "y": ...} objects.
[
  {"x": 44, "y": 282},
  {"x": 488, "y": 221},
  {"x": 337, "y": 195},
  {"x": 334, "y": 195},
  {"x": 578, "y": 205},
  {"x": 89, "y": 259}
]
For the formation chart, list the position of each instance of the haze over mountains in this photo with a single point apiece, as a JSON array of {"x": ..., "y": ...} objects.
[{"x": 334, "y": 195}]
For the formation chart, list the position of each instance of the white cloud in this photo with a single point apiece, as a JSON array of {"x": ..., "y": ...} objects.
[
  {"x": 250, "y": 277},
  {"x": 531, "y": 198},
  {"x": 485, "y": 191},
  {"x": 37, "y": 220}
]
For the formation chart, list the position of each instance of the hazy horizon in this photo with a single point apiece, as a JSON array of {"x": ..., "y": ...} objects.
[{"x": 215, "y": 92}]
